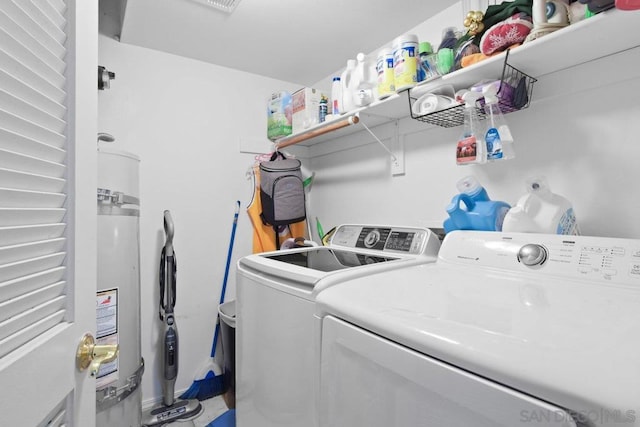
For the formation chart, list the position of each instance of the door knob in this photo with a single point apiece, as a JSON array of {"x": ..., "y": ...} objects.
[{"x": 90, "y": 355}]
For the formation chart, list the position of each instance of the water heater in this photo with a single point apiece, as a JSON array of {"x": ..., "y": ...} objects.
[{"x": 118, "y": 393}]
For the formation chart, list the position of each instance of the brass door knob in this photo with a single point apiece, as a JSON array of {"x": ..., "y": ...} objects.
[{"x": 90, "y": 355}]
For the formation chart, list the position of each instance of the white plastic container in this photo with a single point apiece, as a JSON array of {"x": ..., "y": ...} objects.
[
  {"x": 365, "y": 81},
  {"x": 405, "y": 61},
  {"x": 305, "y": 103},
  {"x": 384, "y": 70},
  {"x": 346, "y": 78},
  {"x": 541, "y": 211}
]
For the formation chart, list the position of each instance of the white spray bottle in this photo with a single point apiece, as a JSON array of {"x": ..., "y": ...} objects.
[
  {"x": 498, "y": 136},
  {"x": 471, "y": 147}
]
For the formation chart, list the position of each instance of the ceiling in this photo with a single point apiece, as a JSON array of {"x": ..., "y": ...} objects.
[{"x": 298, "y": 41}]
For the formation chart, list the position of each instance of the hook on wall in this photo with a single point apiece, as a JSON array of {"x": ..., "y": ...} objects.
[
  {"x": 104, "y": 78},
  {"x": 106, "y": 137}
]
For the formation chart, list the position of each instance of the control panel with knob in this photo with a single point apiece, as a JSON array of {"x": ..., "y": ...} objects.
[
  {"x": 603, "y": 259},
  {"x": 532, "y": 255}
]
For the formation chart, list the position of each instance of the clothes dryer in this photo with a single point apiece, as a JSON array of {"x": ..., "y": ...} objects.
[
  {"x": 505, "y": 329},
  {"x": 275, "y": 348}
]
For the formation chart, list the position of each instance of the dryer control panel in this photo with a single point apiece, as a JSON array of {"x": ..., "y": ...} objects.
[
  {"x": 406, "y": 240},
  {"x": 612, "y": 260}
]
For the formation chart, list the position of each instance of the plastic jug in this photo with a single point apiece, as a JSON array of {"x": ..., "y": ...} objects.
[
  {"x": 348, "y": 88},
  {"x": 541, "y": 211},
  {"x": 365, "y": 80},
  {"x": 482, "y": 216},
  {"x": 473, "y": 210}
]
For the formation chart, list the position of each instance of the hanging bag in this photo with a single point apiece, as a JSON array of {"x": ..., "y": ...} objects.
[{"x": 281, "y": 192}]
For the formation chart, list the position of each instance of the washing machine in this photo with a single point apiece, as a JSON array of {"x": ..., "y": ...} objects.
[
  {"x": 505, "y": 329},
  {"x": 275, "y": 348}
]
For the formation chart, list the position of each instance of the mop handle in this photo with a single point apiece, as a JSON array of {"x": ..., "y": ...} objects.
[
  {"x": 233, "y": 237},
  {"x": 226, "y": 275}
]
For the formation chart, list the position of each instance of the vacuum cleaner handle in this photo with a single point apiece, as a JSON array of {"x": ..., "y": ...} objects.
[{"x": 168, "y": 230}]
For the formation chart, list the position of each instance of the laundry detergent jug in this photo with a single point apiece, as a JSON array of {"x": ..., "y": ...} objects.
[
  {"x": 541, "y": 211},
  {"x": 472, "y": 187},
  {"x": 473, "y": 210}
]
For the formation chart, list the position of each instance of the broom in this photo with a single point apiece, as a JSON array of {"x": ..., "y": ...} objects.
[{"x": 210, "y": 383}]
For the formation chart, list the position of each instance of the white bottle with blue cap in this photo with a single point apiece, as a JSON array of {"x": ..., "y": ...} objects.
[{"x": 336, "y": 96}]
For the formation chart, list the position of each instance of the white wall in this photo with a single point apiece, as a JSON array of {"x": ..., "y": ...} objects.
[
  {"x": 186, "y": 120},
  {"x": 581, "y": 132}
]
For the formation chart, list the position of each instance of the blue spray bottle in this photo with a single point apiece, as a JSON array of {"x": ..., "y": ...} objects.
[{"x": 498, "y": 136}]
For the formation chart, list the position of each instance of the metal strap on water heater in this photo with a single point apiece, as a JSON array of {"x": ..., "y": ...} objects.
[
  {"x": 109, "y": 396},
  {"x": 111, "y": 202}
]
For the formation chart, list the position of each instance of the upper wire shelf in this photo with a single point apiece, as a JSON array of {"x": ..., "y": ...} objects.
[{"x": 515, "y": 92}]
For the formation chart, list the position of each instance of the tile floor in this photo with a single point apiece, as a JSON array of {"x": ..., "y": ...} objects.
[{"x": 212, "y": 408}]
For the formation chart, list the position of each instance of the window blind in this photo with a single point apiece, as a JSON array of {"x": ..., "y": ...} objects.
[{"x": 33, "y": 170}]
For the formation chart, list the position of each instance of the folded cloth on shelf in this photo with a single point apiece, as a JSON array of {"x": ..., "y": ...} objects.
[
  {"x": 477, "y": 57},
  {"x": 506, "y": 33},
  {"x": 498, "y": 13}
]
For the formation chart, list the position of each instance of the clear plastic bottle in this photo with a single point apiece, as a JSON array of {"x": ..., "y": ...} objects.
[
  {"x": 498, "y": 135},
  {"x": 424, "y": 69},
  {"x": 471, "y": 147}
]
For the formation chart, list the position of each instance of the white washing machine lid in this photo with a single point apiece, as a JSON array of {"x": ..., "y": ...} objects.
[
  {"x": 571, "y": 340},
  {"x": 353, "y": 252}
]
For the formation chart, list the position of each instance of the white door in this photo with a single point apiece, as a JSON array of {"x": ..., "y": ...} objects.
[{"x": 48, "y": 125}]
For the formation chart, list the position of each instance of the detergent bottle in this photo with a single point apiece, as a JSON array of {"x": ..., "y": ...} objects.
[
  {"x": 541, "y": 211},
  {"x": 472, "y": 187},
  {"x": 473, "y": 210}
]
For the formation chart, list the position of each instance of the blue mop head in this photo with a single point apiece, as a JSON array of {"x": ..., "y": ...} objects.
[{"x": 228, "y": 419}]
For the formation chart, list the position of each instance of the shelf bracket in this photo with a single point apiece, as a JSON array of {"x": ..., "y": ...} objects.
[{"x": 397, "y": 154}]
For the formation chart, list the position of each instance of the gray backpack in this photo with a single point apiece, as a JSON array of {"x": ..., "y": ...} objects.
[{"x": 281, "y": 192}]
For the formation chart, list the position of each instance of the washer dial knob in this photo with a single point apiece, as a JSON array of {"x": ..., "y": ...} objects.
[
  {"x": 372, "y": 238},
  {"x": 532, "y": 255}
]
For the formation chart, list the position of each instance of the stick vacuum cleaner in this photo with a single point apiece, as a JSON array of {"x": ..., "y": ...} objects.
[{"x": 172, "y": 409}]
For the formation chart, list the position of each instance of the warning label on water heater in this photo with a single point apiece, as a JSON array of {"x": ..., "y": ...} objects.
[
  {"x": 107, "y": 313},
  {"x": 107, "y": 333}
]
